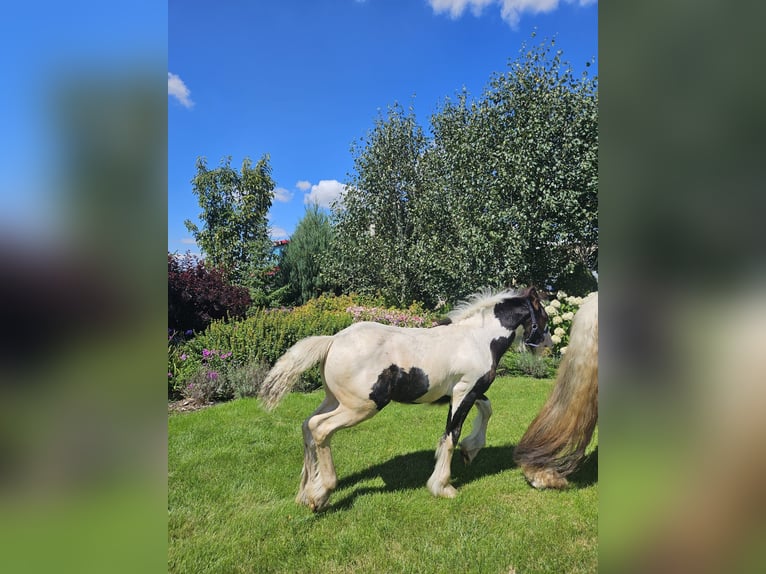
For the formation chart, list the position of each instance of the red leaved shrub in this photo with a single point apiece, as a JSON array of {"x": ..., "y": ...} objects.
[{"x": 198, "y": 294}]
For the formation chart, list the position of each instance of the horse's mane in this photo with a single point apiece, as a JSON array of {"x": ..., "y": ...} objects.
[{"x": 478, "y": 302}]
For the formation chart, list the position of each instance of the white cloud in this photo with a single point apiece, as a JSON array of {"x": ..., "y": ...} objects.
[
  {"x": 325, "y": 192},
  {"x": 179, "y": 91},
  {"x": 456, "y": 7},
  {"x": 188, "y": 241},
  {"x": 282, "y": 194},
  {"x": 276, "y": 232},
  {"x": 303, "y": 185},
  {"x": 510, "y": 10}
]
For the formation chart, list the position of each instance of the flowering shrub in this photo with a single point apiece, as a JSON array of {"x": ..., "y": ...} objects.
[
  {"x": 212, "y": 374},
  {"x": 561, "y": 312},
  {"x": 390, "y": 316},
  {"x": 207, "y": 385},
  {"x": 261, "y": 338}
]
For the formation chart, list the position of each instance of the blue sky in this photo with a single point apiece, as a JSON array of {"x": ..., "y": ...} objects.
[
  {"x": 43, "y": 48},
  {"x": 303, "y": 79}
]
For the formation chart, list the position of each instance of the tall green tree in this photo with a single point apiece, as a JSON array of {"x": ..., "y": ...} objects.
[
  {"x": 234, "y": 233},
  {"x": 514, "y": 180},
  {"x": 505, "y": 191},
  {"x": 302, "y": 262},
  {"x": 373, "y": 221}
]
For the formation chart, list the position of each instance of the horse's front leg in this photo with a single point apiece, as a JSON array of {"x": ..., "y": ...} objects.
[
  {"x": 473, "y": 443},
  {"x": 438, "y": 483},
  {"x": 462, "y": 401}
]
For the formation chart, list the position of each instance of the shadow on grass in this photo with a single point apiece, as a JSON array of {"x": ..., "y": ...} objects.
[
  {"x": 587, "y": 473},
  {"x": 411, "y": 471}
]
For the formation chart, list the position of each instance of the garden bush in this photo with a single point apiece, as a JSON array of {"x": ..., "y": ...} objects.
[
  {"x": 260, "y": 338},
  {"x": 198, "y": 295},
  {"x": 208, "y": 385},
  {"x": 526, "y": 364}
]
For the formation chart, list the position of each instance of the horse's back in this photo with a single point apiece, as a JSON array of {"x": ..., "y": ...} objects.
[
  {"x": 370, "y": 343},
  {"x": 364, "y": 352}
]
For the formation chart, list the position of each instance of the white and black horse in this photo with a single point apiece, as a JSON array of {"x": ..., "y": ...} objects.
[{"x": 368, "y": 365}]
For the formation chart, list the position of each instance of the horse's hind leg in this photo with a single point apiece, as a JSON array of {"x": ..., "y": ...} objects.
[
  {"x": 473, "y": 443},
  {"x": 310, "y": 469},
  {"x": 321, "y": 427}
]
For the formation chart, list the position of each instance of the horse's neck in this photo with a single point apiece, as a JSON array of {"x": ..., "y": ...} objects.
[{"x": 485, "y": 325}]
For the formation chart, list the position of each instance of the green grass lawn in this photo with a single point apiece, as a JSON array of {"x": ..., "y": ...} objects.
[{"x": 233, "y": 473}]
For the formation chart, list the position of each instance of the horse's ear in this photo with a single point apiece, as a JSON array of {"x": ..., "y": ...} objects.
[{"x": 534, "y": 298}]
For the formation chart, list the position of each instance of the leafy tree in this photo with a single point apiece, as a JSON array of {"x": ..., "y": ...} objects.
[
  {"x": 503, "y": 193},
  {"x": 545, "y": 122},
  {"x": 301, "y": 263},
  {"x": 234, "y": 234},
  {"x": 373, "y": 221},
  {"x": 517, "y": 172}
]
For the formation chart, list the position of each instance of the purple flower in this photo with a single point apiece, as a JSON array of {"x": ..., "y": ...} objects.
[
  {"x": 212, "y": 375},
  {"x": 170, "y": 375},
  {"x": 205, "y": 353},
  {"x": 188, "y": 332},
  {"x": 184, "y": 357}
]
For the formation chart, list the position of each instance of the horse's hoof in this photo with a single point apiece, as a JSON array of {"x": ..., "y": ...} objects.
[
  {"x": 317, "y": 504},
  {"x": 449, "y": 491},
  {"x": 468, "y": 456},
  {"x": 302, "y": 499},
  {"x": 544, "y": 478},
  {"x": 446, "y": 491}
]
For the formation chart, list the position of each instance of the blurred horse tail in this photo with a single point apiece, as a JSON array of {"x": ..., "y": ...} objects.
[{"x": 554, "y": 444}]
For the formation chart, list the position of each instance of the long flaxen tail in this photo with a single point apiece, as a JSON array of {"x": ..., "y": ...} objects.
[
  {"x": 555, "y": 442},
  {"x": 284, "y": 375}
]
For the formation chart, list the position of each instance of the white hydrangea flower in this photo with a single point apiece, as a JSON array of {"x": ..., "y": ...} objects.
[
  {"x": 557, "y": 320},
  {"x": 555, "y": 339},
  {"x": 556, "y": 303},
  {"x": 561, "y": 295},
  {"x": 563, "y": 350},
  {"x": 559, "y": 332},
  {"x": 551, "y": 310},
  {"x": 568, "y": 316}
]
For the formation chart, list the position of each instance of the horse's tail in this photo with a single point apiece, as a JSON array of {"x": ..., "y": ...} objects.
[
  {"x": 285, "y": 373},
  {"x": 555, "y": 442}
]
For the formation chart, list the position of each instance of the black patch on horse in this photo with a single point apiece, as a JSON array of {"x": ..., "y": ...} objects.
[
  {"x": 498, "y": 347},
  {"x": 508, "y": 312},
  {"x": 455, "y": 423},
  {"x": 396, "y": 384}
]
